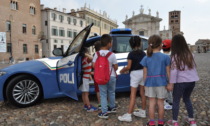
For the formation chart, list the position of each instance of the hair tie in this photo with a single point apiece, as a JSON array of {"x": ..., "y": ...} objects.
[{"x": 150, "y": 44}]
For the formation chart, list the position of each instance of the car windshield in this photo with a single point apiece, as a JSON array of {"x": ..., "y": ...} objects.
[{"x": 121, "y": 44}]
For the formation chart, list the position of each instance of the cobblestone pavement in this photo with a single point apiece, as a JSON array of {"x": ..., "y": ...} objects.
[{"x": 67, "y": 112}]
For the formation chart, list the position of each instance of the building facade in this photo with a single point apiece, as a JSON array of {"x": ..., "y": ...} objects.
[
  {"x": 175, "y": 22},
  {"x": 58, "y": 29},
  {"x": 102, "y": 23},
  {"x": 202, "y": 45},
  {"x": 166, "y": 34},
  {"x": 21, "y": 20},
  {"x": 143, "y": 24}
]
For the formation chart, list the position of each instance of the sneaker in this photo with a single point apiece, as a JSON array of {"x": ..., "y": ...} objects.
[
  {"x": 140, "y": 113},
  {"x": 167, "y": 106},
  {"x": 161, "y": 123},
  {"x": 151, "y": 123},
  {"x": 103, "y": 115},
  {"x": 171, "y": 123},
  {"x": 85, "y": 107},
  {"x": 92, "y": 109},
  {"x": 112, "y": 110},
  {"x": 192, "y": 122},
  {"x": 126, "y": 117}
]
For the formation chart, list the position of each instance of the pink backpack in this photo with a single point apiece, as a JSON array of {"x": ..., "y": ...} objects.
[{"x": 101, "y": 70}]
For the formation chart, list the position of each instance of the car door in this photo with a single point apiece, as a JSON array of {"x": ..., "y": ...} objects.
[{"x": 69, "y": 67}]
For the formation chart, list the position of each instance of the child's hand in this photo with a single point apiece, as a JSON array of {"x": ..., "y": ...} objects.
[{"x": 170, "y": 87}]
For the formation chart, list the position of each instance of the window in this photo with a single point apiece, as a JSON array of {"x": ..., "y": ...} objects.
[
  {"x": 69, "y": 20},
  {"x": 54, "y": 16},
  {"x": 105, "y": 26},
  {"x": 61, "y": 18},
  {"x": 98, "y": 23},
  {"x": 55, "y": 46},
  {"x": 75, "y": 21},
  {"x": 24, "y": 28},
  {"x": 75, "y": 34},
  {"x": 177, "y": 21},
  {"x": 81, "y": 23},
  {"x": 46, "y": 23},
  {"x": 141, "y": 32},
  {"x": 36, "y": 49},
  {"x": 88, "y": 20},
  {"x": 34, "y": 30},
  {"x": 55, "y": 41},
  {"x": 32, "y": 10},
  {"x": 54, "y": 31},
  {"x": 8, "y": 26},
  {"x": 25, "y": 48},
  {"x": 9, "y": 47},
  {"x": 172, "y": 21},
  {"x": 69, "y": 33},
  {"x": 62, "y": 32},
  {"x": 14, "y": 5}
]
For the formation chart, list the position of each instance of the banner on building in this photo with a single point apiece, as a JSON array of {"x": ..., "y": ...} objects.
[{"x": 3, "y": 42}]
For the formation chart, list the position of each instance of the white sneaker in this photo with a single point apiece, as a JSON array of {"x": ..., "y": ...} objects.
[
  {"x": 167, "y": 106},
  {"x": 126, "y": 117},
  {"x": 141, "y": 113}
]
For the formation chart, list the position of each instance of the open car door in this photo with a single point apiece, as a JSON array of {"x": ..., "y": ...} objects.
[{"x": 69, "y": 67}]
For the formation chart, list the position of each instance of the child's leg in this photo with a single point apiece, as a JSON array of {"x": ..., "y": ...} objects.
[
  {"x": 83, "y": 98},
  {"x": 132, "y": 99},
  {"x": 152, "y": 104},
  {"x": 143, "y": 97},
  {"x": 160, "y": 103},
  {"x": 111, "y": 91},
  {"x": 177, "y": 95},
  {"x": 186, "y": 98},
  {"x": 98, "y": 97},
  {"x": 103, "y": 97},
  {"x": 86, "y": 95}
]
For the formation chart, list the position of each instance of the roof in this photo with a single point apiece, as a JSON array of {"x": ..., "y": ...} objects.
[
  {"x": 152, "y": 18},
  {"x": 203, "y": 41}
]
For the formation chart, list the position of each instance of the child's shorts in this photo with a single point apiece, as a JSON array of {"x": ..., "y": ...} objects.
[
  {"x": 136, "y": 78},
  {"x": 156, "y": 92},
  {"x": 85, "y": 85}
]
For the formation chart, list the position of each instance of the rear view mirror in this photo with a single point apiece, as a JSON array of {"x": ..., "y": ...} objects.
[{"x": 58, "y": 52}]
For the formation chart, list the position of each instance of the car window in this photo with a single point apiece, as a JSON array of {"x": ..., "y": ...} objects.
[{"x": 121, "y": 44}]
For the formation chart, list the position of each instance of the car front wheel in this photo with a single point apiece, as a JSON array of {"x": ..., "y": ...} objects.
[{"x": 23, "y": 91}]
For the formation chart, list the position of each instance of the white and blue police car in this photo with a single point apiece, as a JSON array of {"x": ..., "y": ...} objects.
[{"x": 25, "y": 84}]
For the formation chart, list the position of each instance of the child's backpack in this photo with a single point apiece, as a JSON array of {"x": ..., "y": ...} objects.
[{"x": 101, "y": 70}]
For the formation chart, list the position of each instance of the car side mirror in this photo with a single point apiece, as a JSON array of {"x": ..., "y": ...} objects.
[{"x": 58, "y": 52}]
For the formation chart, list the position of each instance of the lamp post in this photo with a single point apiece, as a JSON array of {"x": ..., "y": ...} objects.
[{"x": 10, "y": 30}]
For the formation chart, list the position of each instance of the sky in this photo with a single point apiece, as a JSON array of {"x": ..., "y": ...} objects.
[{"x": 195, "y": 14}]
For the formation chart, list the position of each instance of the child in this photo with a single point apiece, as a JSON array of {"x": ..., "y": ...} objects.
[
  {"x": 156, "y": 70},
  {"x": 86, "y": 67},
  {"x": 97, "y": 46},
  {"x": 167, "y": 50},
  {"x": 183, "y": 76},
  {"x": 136, "y": 75},
  {"x": 107, "y": 90}
]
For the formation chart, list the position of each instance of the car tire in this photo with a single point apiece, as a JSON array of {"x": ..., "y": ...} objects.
[{"x": 23, "y": 91}]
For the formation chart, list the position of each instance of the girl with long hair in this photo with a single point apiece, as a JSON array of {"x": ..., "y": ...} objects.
[{"x": 183, "y": 76}]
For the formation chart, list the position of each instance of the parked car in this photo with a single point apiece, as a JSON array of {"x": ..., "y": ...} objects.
[{"x": 24, "y": 84}]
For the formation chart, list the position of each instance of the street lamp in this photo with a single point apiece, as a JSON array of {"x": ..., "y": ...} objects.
[{"x": 10, "y": 30}]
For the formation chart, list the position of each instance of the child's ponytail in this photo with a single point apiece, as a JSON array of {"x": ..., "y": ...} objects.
[{"x": 153, "y": 42}]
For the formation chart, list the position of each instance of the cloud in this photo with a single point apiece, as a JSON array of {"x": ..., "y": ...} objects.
[{"x": 202, "y": 1}]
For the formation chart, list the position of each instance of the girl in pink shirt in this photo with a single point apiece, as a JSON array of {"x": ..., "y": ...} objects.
[{"x": 183, "y": 75}]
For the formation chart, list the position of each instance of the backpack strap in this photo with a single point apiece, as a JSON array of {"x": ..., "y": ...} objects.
[
  {"x": 98, "y": 54},
  {"x": 108, "y": 54}
]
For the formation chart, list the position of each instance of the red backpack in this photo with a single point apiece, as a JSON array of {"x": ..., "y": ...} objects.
[{"x": 101, "y": 70}]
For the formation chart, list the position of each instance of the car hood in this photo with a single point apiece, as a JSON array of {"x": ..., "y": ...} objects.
[{"x": 49, "y": 62}]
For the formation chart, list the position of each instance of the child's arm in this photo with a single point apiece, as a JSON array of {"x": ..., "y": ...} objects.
[
  {"x": 90, "y": 58},
  {"x": 115, "y": 67},
  {"x": 127, "y": 68},
  {"x": 144, "y": 73}
]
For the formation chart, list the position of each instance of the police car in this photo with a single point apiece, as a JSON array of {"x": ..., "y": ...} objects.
[{"x": 24, "y": 84}]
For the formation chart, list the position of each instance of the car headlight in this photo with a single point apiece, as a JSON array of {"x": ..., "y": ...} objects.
[{"x": 2, "y": 73}]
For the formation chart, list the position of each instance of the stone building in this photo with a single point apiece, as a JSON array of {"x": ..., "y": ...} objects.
[
  {"x": 175, "y": 22},
  {"x": 143, "y": 24},
  {"x": 21, "y": 20},
  {"x": 203, "y": 45},
  {"x": 166, "y": 34},
  {"x": 58, "y": 29},
  {"x": 102, "y": 22}
]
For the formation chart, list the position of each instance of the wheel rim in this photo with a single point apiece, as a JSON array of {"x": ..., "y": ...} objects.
[{"x": 26, "y": 91}]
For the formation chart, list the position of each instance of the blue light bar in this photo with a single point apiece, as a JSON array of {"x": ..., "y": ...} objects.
[{"x": 121, "y": 29}]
